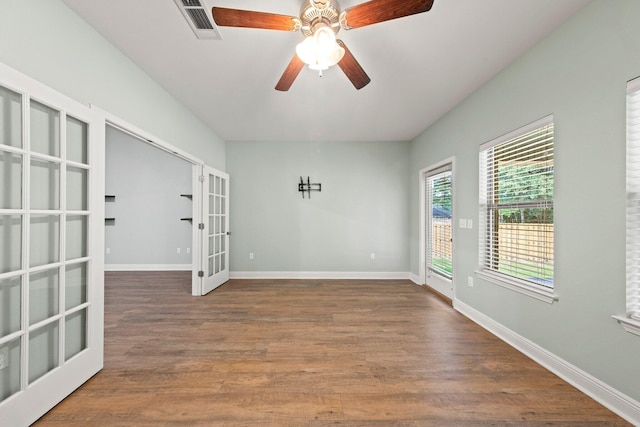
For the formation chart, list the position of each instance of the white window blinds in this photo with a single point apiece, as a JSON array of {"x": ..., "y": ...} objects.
[
  {"x": 516, "y": 204},
  {"x": 633, "y": 199}
]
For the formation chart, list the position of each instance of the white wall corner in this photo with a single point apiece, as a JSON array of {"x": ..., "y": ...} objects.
[{"x": 616, "y": 401}]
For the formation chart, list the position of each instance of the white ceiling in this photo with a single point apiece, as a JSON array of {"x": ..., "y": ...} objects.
[{"x": 420, "y": 66}]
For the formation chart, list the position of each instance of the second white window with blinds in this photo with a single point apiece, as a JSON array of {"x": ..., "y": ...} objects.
[{"x": 516, "y": 210}]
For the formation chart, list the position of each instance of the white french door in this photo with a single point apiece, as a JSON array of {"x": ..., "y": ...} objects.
[
  {"x": 51, "y": 267},
  {"x": 438, "y": 226},
  {"x": 215, "y": 229}
]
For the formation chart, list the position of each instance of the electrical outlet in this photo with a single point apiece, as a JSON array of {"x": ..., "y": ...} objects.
[
  {"x": 250, "y": 255},
  {"x": 469, "y": 223},
  {"x": 463, "y": 223},
  {"x": 188, "y": 250},
  {"x": 4, "y": 358},
  {"x": 108, "y": 251},
  {"x": 178, "y": 250},
  {"x": 470, "y": 281},
  {"x": 373, "y": 256}
]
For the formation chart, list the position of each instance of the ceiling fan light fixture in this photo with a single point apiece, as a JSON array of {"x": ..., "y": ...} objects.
[{"x": 320, "y": 50}]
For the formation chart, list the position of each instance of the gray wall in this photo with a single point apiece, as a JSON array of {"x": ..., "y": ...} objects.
[
  {"x": 50, "y": 43},
  {"x": 362, "y": 207},
  {"x": 147, "y": 183},
  {"x": 579, "y": 74}
]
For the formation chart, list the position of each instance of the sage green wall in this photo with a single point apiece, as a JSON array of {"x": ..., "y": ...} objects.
[
  {"x": 363, "y": 206},
  {"x": 579, "y": 74},
  {"x": 47, "y": 41}
]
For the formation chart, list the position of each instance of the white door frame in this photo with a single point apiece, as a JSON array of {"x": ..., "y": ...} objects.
[
  {"x": 34, "y": 399},
  {"x": 196, "y": 168},
  {"x": 445, "y": 288}
]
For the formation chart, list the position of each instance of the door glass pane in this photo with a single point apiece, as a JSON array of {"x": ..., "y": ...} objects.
[
  {"x": 44, "y": 288},
  {"x": 45, "y": 129},
  {"x": 10, "y": 376},
  {"x": 10, "y": 243},
  {"x": 212, "y": 180},
  {"x": 75, "y": 334},
  {"x": 10, "y": 293},
  {"x": 440, "y": 246},
  {"x": 11, "y": 180},
  {"x": 210, "y": 270},
  {"x": 45, "y": 185},
  {"x": 217, "y": 264},
  {"x": 212, "y": 204},
  {"x": 44, "y": 240},
  {"x": 10, "y": 118},
  {"x": 211, "y": 247},
  {"x": 76, "y": 246},
  {"x": 76, "y": 140},
  {"x": 75, "y": 285},
  {"x": 77, "y": 189},
  {"x": 43, "y": 350},
  {"x": 222, "y": 263},
  {"x": 223, "y": 186}
]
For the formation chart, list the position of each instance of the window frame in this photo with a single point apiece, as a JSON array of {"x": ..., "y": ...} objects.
[
  {"x": 525, "y": 287},
  {"x": 631, "y": 320}
]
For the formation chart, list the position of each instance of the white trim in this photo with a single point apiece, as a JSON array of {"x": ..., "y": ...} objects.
[
  {"x": 148, "y": 267},
  {"x": 630, "y": 325},
  {"x": 354, "y": 275},
  {"x": 633, "y": 85},
  {"x": 616, "y": 401},
  {"x": 518, "y": 132},
  {"x": 415, "y": 279},
  {"x": 538, "y": 292}
]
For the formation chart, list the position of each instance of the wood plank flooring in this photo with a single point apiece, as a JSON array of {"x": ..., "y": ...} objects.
[{"x": 313, "y": 353}]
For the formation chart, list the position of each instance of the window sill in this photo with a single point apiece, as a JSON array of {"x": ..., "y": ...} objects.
[
  {"x": 520, "y": 286},
  {"x": 630, "y": 325}
]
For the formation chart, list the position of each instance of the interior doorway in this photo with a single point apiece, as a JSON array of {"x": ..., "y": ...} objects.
[
  {"x": 437, "y": 209},
  {"x": 172, "y": 235}
]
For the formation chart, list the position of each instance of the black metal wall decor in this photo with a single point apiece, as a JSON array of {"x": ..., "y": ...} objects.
[{"x": 308, "y": 187}]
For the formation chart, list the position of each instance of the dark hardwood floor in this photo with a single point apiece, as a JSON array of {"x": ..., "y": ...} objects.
[{"x": 311, "y": 353}]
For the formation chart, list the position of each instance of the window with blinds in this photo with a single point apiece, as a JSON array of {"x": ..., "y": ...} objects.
[
  {"x": 516, "y": 205},
  {"x": 439, "y": 203},
  {"x": 633, "y": 199}
]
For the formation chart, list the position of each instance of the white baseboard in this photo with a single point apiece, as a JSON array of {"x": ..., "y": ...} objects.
[
  {"x": 415, "y": 279},
  {"x": 353, "y": 275},
  {"x": 148, "y": 267},
  {"x": 611, "y": 398}
]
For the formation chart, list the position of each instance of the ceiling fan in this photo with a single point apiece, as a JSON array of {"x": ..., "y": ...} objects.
[{"x": 320, "y": 21}]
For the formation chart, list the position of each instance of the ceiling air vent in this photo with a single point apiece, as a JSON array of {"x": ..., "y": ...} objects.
[{"x": 199, "y": 19}]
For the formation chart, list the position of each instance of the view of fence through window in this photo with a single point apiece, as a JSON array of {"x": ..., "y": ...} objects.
[
  {"x": 517, "y": 200},
  {"x": 440, "y": 241}
]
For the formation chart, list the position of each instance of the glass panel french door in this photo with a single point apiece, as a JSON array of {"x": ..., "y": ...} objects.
[
  {"x": 51, "y": 303},
  {"x": 215, "y": 251},
  {"x": 439, "y": 229}
]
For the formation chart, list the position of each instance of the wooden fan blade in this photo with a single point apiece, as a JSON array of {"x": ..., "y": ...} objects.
[
  {"x": 290, "y": 74},
  {"x": 352, "y": 68},
  {"x": 250, "y": 19},
  {"x": 375, "y": 11}
]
